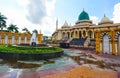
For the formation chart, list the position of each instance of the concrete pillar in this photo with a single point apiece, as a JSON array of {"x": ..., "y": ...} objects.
[
  {"x": 98, "y": 41},
  {"x": 93, "y": 34},
  {"x": 113, "y": 42},
  {"x": 82, "y": 34},
  {"x": 86, "y": 35}
]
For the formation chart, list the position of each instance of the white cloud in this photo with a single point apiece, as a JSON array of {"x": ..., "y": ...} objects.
[
  {"x": 116, "y": 13},
  {"x": 50, "y": 7},
  {"x": 23, "y": 3},
  {"x": 94, "y": 19},
  {"x": 40, "y": 13}
]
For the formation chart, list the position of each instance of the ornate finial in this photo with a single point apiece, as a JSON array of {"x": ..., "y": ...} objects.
[
  {"x": 40, "y": 31},
  {"x": 65, "y": 24},
  {"x": 104, "y": 15},
  {"x": 83, "y": 9},
  {"x": 57, "y": 23}
]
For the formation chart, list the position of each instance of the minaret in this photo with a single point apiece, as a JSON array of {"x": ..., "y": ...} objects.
[
  {"x": 104, "y": 15},
  {"x": 57, "y": 24},
  {"x": 40, "y": 31}
]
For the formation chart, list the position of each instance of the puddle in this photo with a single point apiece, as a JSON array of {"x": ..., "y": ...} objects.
[{"x": 69, "y": 58}]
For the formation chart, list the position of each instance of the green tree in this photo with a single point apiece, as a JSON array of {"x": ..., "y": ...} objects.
[
  {"x": 26, "y": 30},
  {"x": 2, "y": 21},
  {"x": 13, "y": 28}
]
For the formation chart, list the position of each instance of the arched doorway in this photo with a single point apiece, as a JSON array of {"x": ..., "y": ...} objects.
[
  {"x": 84, "y": 34},
  {"x": 63, "y": 35},
  {"x": 76, "y": 34},
  {"x": 106, "y": 44},
  {"x": 90, "y": 34},
  {"x": 68, "y": 34},
  {"x": 118, "y": 45},
  {"x": 71, "y": 34}
]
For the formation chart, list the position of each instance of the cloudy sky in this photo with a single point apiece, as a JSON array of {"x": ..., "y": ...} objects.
[{"x": 42, "y": 14}]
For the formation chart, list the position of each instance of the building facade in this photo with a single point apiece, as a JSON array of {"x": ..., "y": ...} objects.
[
  {"x": 106, "y": 33},
  {"x": 17, "y": 38}
]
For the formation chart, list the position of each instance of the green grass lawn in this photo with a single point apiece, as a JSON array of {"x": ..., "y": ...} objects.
[{"x": 28, "y": 49}]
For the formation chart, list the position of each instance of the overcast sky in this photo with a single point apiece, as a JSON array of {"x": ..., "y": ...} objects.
[{"x": 42, "y": 14}]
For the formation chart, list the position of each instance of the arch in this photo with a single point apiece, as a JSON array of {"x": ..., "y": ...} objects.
[
  {"x": 103, "y": 34},
  {"x": 64, "y": 37},
  {"x": 117, "y": 45},
  {"x": 90, "y": 33},
  {"x": 106, "y": 44},
  {"x": 105, "y": 39},
  {"x": 68, "y": 35},
  {"x": 63, "y": 34},
  {"x": 71, "y": 34},
  {"x": 76, "y": 34},
  {"x": 84, "y": 33}
]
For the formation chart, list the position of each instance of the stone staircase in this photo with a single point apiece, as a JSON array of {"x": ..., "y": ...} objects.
[
  {"x": 69, "y": 40},
  {"x": 87, "y": 42}
]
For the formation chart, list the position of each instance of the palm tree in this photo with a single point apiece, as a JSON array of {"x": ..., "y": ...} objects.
[
  {"x": 13, "y": 28},
  {"x": 26, "y": 30},
  {"x": 2, "y": 21}
]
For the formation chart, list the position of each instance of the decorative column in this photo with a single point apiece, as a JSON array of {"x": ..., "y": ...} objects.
[
  {"x": 93, "y": 34},
  {"x": 73, "y": 34},
  {"x": 113, "y": 42},
  {"x": 97, "y": 41},
  {"x": 81, "y": 34},
  {"x": 39, "y": 38},
  {"x": 86, "y": 35}
]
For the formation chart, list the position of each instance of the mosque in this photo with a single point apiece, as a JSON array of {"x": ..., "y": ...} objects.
[{"x": 104, "y": 36}]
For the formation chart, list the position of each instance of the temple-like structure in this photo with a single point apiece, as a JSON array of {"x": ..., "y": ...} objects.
[
  {"x": 105, "y": 36},
  {"x": 17, "y": 38}
]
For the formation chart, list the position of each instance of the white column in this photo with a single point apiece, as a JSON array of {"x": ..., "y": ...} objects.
[
  {"x": 25, "y": 40},
  {"x": 19, "y": 39},
  {"x": 13, "y": 39},
  {"x": 0, "y": 39},
  {"x": 6, "y": 39}
]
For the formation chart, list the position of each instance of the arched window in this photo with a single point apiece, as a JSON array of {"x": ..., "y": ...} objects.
[
  {"x": 90, "y": 34},
  {"x": 84, "y": 33}
]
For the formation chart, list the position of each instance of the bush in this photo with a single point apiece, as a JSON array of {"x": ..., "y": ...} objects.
[{"x": 28, "y": 49}]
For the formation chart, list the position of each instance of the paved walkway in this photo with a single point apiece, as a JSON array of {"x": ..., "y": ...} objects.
[
  {"x": 73, "y": 70},
  {"x": 87, "y": 72}
]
